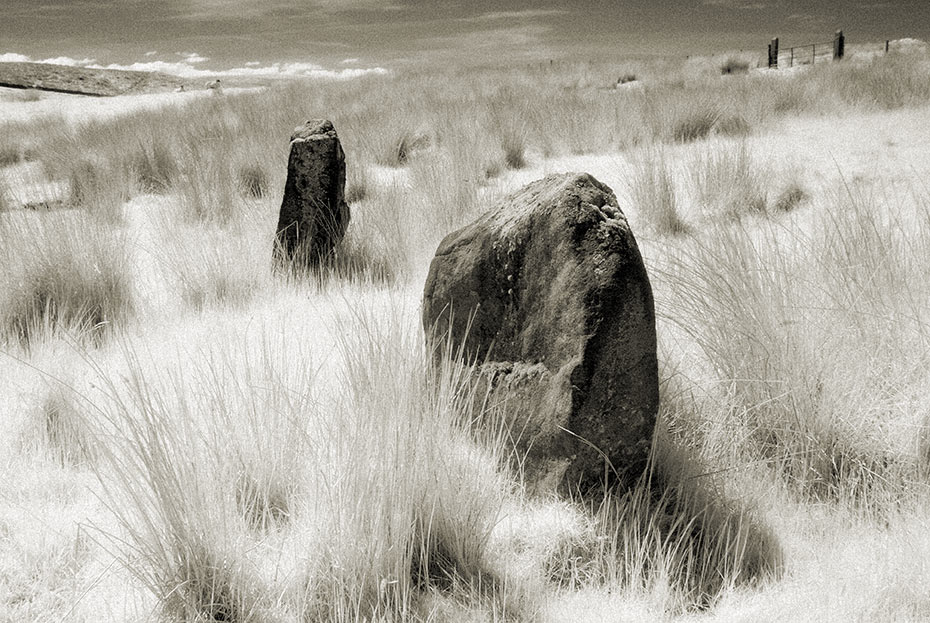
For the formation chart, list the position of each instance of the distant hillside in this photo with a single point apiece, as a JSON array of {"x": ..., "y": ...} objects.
[{"x": 85, "y": 81}]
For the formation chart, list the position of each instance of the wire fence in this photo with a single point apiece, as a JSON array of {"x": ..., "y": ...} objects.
[{"x": 808, "y": 53}]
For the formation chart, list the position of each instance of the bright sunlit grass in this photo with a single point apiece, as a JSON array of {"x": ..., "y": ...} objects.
[{"x": 194, "y": 433}]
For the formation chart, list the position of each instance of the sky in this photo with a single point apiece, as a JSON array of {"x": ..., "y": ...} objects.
[{"x": 357, "y": 35}]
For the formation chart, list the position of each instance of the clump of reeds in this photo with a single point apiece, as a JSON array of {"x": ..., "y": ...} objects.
[
  {"x": 62, "y": 276},
  {"x": 154, "y": 165},
  {"x": 99, "y": 187},
  {"x": 729, "y": 181},
  {"x": 734, "y": 65},
  {"x": 770, "y": 312},
  {"x": 653, "y": 191},
  {"x": 253, "y": 181},
  {"x": 263, "y": 459},
  {"x": 10, "y": 154}
]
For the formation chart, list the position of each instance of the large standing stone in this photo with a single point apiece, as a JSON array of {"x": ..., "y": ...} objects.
[
  {"x": 314, "y": 215},
  {"x": 549, "y": 293}
]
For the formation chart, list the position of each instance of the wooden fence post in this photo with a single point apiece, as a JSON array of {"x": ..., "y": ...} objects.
[
  {"x": 773, "y": 53},
  {"x": 887, "y": 45},
  {"x": 839, "y": 42}
]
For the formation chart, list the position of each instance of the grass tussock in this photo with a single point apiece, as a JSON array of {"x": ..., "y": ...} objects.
[
  {"x": 361, "y": 261},
  {"x": 734, "y": 65},
  {"x": 190, "y": 526},
  {"x": 513, "y": 143},
  {"x": 359, "y": 183},
  {"x": 404, "y": 146},
  {"x": 154, "y": 165},
  {"x": 66, "y": 431},
  {"x": 265, "y": 460},
  {"x": 654, "y": 192},
  {"x": 729, "y": 180},
  {"x": 99, "y": 187},
  {"x": 512, "y": 129},
  {"x": 6, "y": 197},
  {"x": 209, "y": 278},
  {"x": 253, "y": 181},
  {"x": 677, "y": 533},
  {"x": 207, "y": 189},
  {"x": 773, "y": 318},
  {"x": 792, "y": 196},
  {"x": 356, "y": 259},
  {"x": 17, "y": 143},
  {"x": 210, "y": 265},
  {"x": 59, "y": 429},
  {"x": 732, "y": 124},
  {"x": 887, "y": 82},
  {"x": 39, "y": 576},
  {"x": 62, "y": 275},
  {"x": 10, "y": 155},
  {"x": 694, "y": 126}
]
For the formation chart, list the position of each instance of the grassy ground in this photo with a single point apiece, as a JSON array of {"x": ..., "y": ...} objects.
[{"x": 188, "y": 435}]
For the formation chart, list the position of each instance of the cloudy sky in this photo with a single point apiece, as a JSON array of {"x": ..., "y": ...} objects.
[{"x": 219, "y": 34}]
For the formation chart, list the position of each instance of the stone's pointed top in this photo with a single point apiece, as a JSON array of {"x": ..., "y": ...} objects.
[
  {"x": 314, "y": 128},
  {"x": 565, "y": 181},
  {"x": 562, "y": 182},
  {"x": 555, "y": 189}
]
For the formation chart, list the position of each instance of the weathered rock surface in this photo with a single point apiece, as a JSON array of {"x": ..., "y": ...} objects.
[
  {"x": 549, "y": 293},
  {"x": 314, "y": 215},
  {"x": 84, "y": 80}
]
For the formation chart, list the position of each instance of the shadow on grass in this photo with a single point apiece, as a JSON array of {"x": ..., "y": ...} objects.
[
  {"x": 675, "y": 527},
  {"x": 352, "y": 260}
]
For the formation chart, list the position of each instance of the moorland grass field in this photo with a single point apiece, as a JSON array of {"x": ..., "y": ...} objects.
[{"x": 188, "y": 434}]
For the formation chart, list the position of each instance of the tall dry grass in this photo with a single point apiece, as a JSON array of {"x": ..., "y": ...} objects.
[
  {"x": 62, "y": 275},
  {"x": 263, "y": 494},
  {"x": 478, "y": 123},
  {"x": 812, "y": 337},
  {"x": 654, "y": 191},
  {"x": 730, "y": 181},
  {"x": 258, "y": 481}
]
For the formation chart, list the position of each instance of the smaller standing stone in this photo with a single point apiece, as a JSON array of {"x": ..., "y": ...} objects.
[{"x": 314, "y": 215}]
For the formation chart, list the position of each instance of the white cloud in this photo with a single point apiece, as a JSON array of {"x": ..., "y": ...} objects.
[
  {"x": 181, "y": 69},
  {"x": 303, "y": 70},
  {"x": 13, "y": 57},
  {"x": 68, "y": 61},
  {"x": 281, "y": 70},
  {"x": 152, "y": 53},
  {"x": 513, "y": 15},
  {"x": 186, "y": 68},
  {"x": 193, "y": 57},
  {"x": 349, "y": 61}
]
